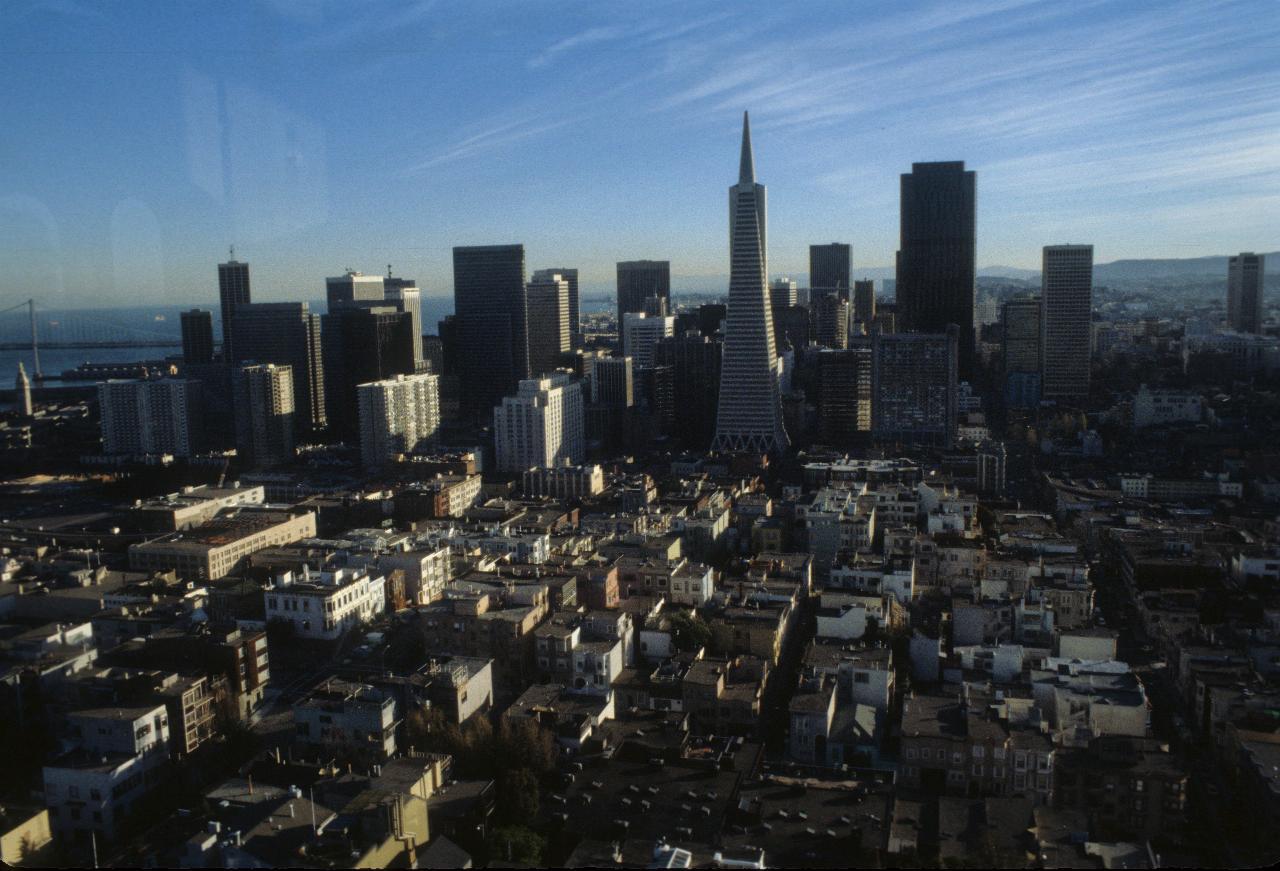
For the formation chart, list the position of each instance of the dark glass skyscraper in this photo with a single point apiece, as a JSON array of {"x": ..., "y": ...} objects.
[
  {"x": 233, "y": 290},
  {"x": 491, "y": 311},
  {"x": 637, "y": 281},
  {"x": 197, "y": 337},
  {"x": 288, "y": 334},
  {"x": 362, "y": 344},
  {"x": 936, "y": 278},
  {"x": 829, "y": 268}
]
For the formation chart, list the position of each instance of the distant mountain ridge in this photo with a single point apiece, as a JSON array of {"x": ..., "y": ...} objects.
[{"x": 1212, "y": 268}]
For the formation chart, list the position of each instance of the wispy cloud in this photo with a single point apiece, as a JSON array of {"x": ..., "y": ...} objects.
[
  {"x": 488, "y": 140},
  {"x": 576, "y": 41}
]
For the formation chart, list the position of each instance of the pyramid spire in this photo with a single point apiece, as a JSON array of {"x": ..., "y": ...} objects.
[{"x": 747, "y": 165}]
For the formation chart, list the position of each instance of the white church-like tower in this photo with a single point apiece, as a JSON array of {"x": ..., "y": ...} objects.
[{"x": 749, "y": 417}]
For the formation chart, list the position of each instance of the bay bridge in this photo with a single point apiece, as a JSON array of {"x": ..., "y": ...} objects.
[{"x": 23, "y": 329}]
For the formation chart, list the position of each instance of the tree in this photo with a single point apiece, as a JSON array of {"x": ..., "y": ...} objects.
[
  {"x": 517, "y": 795},
  {"x": 689, "y": 631},
  {"x": 516, "y": 844}
]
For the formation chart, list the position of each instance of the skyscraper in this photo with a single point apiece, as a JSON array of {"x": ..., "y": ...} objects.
[
  {"x": 829, "y": 269},
  {"x": 287, "y": 334},
  {"x": 197, "y": 337},
  {"x": 640, "y": 332},
  {"x": 637, "y": 281},
  {"x": 361, "y": 345},
  {"x": 697, "y": 361},
  {"x": 831, "y": 321},
  {"x": 913, "y": 387},
  {"x": 782, "y": 292},
  {"x": 613, "y": 382},
  {"x": 575, "y": 315},
  {"x": 158, "y": 416},
  {"x": 397, "y": 416},
  {"x": 1020, "y": 320},
  {"x": 549, "y": 329},
  {"x": 233, "y": 291},
  {"x": 540, "y": 426},
  {"x": 1066, "y": 298},
  {"x": 844, "y": 395},
  {"x": 264, "y": 413},
  {"x": 403, "y": 293},
  {"x": 1245, "y": 274},
  {"x": 353, "y": 287},
  {"x": 864, "y": 303},
  {"x": 749, "y": 417},
  {"x": 492, "y": 327},
  {"x": 936, "y": 275}
]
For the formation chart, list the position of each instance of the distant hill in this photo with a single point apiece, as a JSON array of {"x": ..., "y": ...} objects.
[{"x": 1148, "y": 270}]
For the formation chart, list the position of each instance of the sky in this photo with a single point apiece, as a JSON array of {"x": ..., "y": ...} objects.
[{"x": 142, "y": 139}]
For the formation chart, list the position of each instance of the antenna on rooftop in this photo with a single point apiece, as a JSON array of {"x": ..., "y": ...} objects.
[{"x": 233, "y": 252}]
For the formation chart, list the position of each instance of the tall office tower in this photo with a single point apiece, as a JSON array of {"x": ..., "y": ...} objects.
[
  {"x": 575, "y": 314},
  {"x": 831, "y": 321},
  {"x": 659, "y": 389},
  {"x": 433, "y": 354},
  {"x": 696, "y": 360},
  {"x": 353, "y": 287},
  {"x": 613, "y": 382},
  {"x": 22, "y": 392},
  {"x": 287, "y": 334},
  {"x": 160, "y": 416},
  {"x": 403, "y": 293},
  {"x": 830, "y": 268},
  {"x": 864, "y": 303},
  {"x": 1066, "y": 296},
  {"x": 492, "y": 323},
  {"x": 640, "y": 332},
  {"x": 361, "y": 345},
  {"x": 749, "y": 417},
  {"x": 233, "y": 291},
  {"x": 549, "y": 329},
  {"x": 450, "y": 345},
  {"x": 264, "y": 413},
  {"x": 936, "y": 276},
  {"x": 792, "y": 328},
  {"x": 197, "y": 337},
  {"x": 638, "y": 280},
  {"x": 1020, "y": 320},
  {"x": 913, "y": 387},
  {"x": 398, "y": 416},
  {"x": 1245, "y": 274},
  {"x": 844, "y": 395},
  {"x": 782, "y": 292},
  {"x": 541, "y": 426},
  {"x": 711, "y": 318}
]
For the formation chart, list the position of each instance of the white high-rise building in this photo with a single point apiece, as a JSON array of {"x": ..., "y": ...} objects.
[
  {"x": 150, "y": 417},
  {"x": 641, "y": 332},
  {"x": 749, "y": 417},
  {"x": 541, "y": 426},
  {"x": 397, "y": 416},
  {"x": 1066, "y": 299},
  {"x": 265, "y": 414}
]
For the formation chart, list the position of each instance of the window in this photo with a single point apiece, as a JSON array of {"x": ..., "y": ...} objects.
[
  {"x": 979, "y": 751},
  {"x": 861, "y": 677},
  {"x": 911, "y": 753}
]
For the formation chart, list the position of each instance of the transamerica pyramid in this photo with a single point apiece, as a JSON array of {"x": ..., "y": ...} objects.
[{"x": 750, "y": 414}]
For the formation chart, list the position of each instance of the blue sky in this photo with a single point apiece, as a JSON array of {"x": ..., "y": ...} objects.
[{"x": 143, "y": 138}]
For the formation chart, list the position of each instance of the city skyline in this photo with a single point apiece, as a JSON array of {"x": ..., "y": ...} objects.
[{"x": 1168, "y": 117}]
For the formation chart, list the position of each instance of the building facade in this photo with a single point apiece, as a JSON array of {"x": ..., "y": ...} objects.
[
  {"x": 1067, "y": 305},
  {"x": 749, "y": 416},
  {"x": 265, "y": 414},
  {"x": 541, "y": 426},
  {"x": 398, "y": 415}
]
